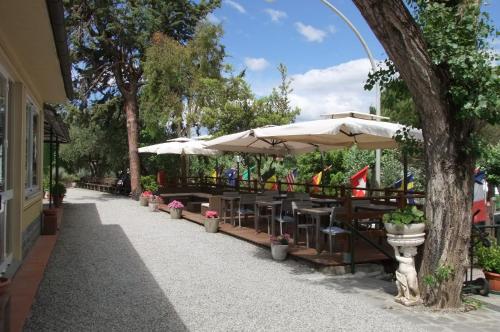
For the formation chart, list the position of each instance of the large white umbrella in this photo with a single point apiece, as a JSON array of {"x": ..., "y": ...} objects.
[
  {"x": 248, "y": 141},
  {"x": 340, "y": 132},
  {"x": 180, "y": 145}
]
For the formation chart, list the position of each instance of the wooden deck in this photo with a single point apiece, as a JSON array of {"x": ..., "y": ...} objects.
[{"x": 363, "y": 253}]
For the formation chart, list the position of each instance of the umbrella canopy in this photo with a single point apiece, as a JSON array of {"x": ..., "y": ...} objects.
[
  {"x": 338, "y": 133},
  {"x": 180, "y": 145},
  {"x": 190, "y": 147},
  {"x": 249, "y": 141}
]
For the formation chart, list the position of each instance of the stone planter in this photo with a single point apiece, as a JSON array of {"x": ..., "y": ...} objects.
[
  {"x": 143, "y": 201},
  {"x": 404, "y": 229},
  {"x": 405, "y": 249},
  {"x": 212, "y": 225},
  {"x": 494, "y": 280},
  {"x": 175, "y": 213},
  {"x": 153, "y": 206},
  {"x": 279, "y": 251}
]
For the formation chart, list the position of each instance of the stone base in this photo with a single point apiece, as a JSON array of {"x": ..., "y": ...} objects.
[{"x": 409, "y": 303}]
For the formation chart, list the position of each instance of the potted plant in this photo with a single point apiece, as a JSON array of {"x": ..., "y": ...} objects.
[
  {"x": 175, "y": 208},
  {"x": 154, "y": 202},
  {"x": 58, "y": 192},
  {"x": 279, "y": 246},
  {"x": 144, "y": 198},
  {"x": 406, "y": 221},
  {"x": 489, "y": 260},
  {"x": 211, "y": 222}
]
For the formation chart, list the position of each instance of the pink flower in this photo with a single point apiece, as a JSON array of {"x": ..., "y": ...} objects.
[
  {"x": 175, "y": 205},
  {"x": 211, "y": 214}
]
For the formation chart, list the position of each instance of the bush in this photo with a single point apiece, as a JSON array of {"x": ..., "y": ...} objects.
[
  {"x": 148, "y": 183},
  {"x": 489, "y": 258},
  {"x": 58, "y": 189}
]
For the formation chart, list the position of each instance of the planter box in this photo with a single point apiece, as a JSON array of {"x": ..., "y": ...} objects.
[
  {"x": 153, "y": 207},
  {"x": 175, "y": 213},
  {"x": 212, "y": 225},
  {"x": 279, "y": 251},
  {"x": 49, "y": 222},
  {"x": 404, "y": 229},
  {"x": 143, "y": 201}
]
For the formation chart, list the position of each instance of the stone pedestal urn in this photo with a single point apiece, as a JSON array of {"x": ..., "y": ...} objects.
[{"x": 405, "y": 249}]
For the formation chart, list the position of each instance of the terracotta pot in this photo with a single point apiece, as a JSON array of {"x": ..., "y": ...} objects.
[
  {"x": 58, "y": 199},
  {"x": 404, "y": 229},
  {"x": 279, "y": 251},
  {"x": 50, "y": 212},
  {"x": 153, "y": 207},
  {"x": 494, "y": 280},
  {"x": 4, "y": 285}
]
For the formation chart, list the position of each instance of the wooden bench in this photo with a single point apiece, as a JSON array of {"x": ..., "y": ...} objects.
[{"x": 99, "y": 184}]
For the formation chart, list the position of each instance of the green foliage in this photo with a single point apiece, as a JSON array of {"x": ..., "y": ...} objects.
[
  {"x": 148, "y": 183},
  {"x": 397, "y": 104},
  {"x": 98, "y": 143},
  {"x": 440, "y": 275},
  {"x": 405, "y": 216},
  {"x": 58, "y": 189},
  {"x": 489, "y": 257},
  {"x": 490, "y": 163}
]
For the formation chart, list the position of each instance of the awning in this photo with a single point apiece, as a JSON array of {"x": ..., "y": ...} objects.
[{"x": 54, "y": 124}]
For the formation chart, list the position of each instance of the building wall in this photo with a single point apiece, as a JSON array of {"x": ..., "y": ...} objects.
[{"x": 24, "y": 212}]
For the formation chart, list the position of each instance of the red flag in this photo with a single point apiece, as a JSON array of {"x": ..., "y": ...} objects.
[
  {"x": 358, "y": 180},
  {"x": 316, "y": 181}
]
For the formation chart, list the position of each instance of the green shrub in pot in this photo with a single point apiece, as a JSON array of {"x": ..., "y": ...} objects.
[{"x": 409, "y": 220}]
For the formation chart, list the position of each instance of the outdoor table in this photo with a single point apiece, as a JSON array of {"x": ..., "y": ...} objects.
[
  {"x": 223, "y": 201},
  {"x": 375, "y": 207},
  {"x": 260, "y": 204},
  {"x": 326, "y": 202},
  {"x": 316, "y": 214}
]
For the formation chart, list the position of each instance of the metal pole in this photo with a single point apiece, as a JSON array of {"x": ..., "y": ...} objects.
[
  {"x": 377, "y": 86},
  {"x": 57, "y": 159},
  {"x": 51, "y": 162}
]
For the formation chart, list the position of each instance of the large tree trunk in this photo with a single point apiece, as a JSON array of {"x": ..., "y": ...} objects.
[
  {"x": 131, "y": 110},
  {"x": 449, "y": 170}
]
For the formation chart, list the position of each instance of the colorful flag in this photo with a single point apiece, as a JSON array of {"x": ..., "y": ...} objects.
[
  {"x": 480, "y": 191},
  {"x": 271, "y": 183},
  {"x": 316, "y": 181},
  {"x": 231, "y": 176},
  {"x": 358, "y": 180},
  {"x": 213, "y": 176},
  {"x": 290, "y": 179},
  {"x": 410, "y": 184},
  {"x": 244, "y": 176}
]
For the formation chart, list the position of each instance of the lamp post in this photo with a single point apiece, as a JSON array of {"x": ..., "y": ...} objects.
[{"x": 374, "y": 68}]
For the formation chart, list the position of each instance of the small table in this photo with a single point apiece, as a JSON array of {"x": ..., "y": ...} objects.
[
  {"x": 261, "y": 204},
  {"x": 222, "y": 207},
  {"x": 316, "y": 214},
  {"x": 326, "y": 202}
]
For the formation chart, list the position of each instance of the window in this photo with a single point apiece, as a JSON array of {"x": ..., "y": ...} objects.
[{"x": 31, "y": 180}]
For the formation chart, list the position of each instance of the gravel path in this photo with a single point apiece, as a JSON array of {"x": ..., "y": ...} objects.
[{"x": 119, "y": 267}]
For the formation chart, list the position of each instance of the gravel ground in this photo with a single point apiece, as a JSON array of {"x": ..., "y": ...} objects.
[{"x": 119, "y": 267}]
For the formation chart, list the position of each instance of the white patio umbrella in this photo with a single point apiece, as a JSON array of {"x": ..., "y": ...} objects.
[
  {"x": 180, "y": 145},
  {"x": 150, "y": 148},
  {"x": 338, "y": 133},
  {"x": 248, "y": 141}
]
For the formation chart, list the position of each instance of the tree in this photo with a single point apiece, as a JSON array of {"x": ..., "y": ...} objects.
[
  {"x": 108, "y": 41},
  {"x": 441, "y": 54}
]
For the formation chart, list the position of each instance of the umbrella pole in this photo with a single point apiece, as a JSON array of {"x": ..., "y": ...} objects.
[
  {"x": 405, "y": 172},
  {"x": 249, "y": 176}
]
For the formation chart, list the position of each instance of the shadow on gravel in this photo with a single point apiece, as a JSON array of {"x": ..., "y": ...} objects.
[
  {"x": 96, "y": 281},
  {"x": 347, "y": 283}
]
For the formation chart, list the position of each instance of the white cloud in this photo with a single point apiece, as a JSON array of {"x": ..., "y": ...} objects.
[
  {"x": 276, "y": 15},
  {"x": 332, "y": 90},
  {"x": 311, "y": 33},
  {"x": 236, "y": 6},
  {"x": 212, "y": 18},
  {"x": 256, "y": 64}
]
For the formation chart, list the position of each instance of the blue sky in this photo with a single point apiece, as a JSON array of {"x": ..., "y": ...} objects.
[{"x": 326, "y": 62}]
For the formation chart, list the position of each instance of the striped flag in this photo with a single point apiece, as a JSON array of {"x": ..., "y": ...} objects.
[
  {"x": 316, "y": 181},
  {"x": 410, "y": 184},
  {"x": 290, "y": 179},
  {"x": 480, "y": 191}
]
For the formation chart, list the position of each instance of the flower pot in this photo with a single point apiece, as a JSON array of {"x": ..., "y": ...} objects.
[
  {"x": 211, "y": 225},
  {"x": 175, "y": 213},
  {"x": 4, "y": 285},
  {"x": 494, "y": 280},
  {"x": 143, "y": 201},
  {"x": 153, "y": 206},
  {"x": 279, "y": 251},
  {"x": 409, "y": 229},
  {"x": 58, "y": 199}
]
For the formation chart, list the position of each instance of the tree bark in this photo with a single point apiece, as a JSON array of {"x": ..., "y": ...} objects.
[
  {"x": 130, "y": 108},
  {"x": 449, "y": 170}
]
